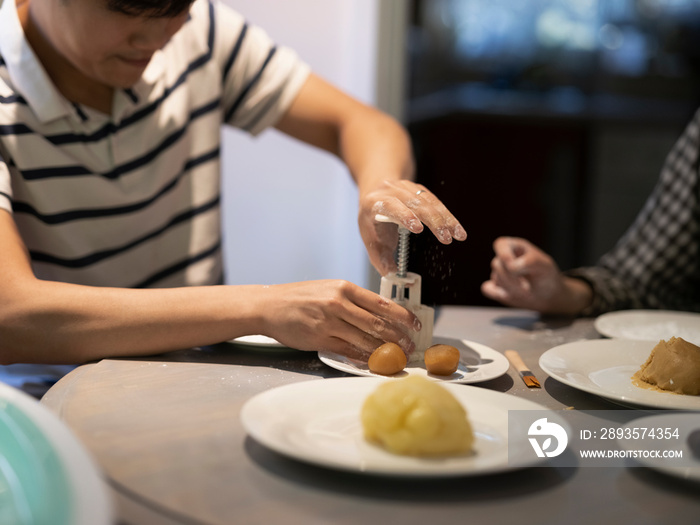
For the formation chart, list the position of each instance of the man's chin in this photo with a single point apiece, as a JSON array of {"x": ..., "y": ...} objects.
[
  {"x": 126, "y": 77},
  {"x": 124, "y": 85},
  {"x": 125, "y": 81}
]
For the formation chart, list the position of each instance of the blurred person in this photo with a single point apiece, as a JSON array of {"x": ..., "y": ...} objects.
[
  {"x": 654, "y": 265},
  {"x": 110, "y": 116}
]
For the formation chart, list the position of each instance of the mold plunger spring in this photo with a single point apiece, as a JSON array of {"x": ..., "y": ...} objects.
[
  {"x": 399, "y": 289},
  {"x": 402, "y": 252}
]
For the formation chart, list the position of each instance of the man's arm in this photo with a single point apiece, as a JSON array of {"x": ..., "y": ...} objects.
[
  {"x": 377, "y": 151},
  {"x": 51, "y": 322}
]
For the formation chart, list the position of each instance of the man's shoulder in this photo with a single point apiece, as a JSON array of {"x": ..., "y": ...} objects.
[
  {"x": 205, "y": 12},
  {"x": 205, "y": 23},
  {"x": 210, "y": 31}
]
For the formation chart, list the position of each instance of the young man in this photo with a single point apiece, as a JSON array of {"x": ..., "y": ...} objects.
[
  {"x": 656, "y": 264},
  {"x": 109, "y": 183}
]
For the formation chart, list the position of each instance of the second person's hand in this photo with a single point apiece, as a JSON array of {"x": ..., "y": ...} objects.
[{"x": 524, "y": 276}]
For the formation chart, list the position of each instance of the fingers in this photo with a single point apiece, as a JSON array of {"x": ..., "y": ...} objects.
[
  {"x": 413, "y": 205},
  {"x": 380, "y": 240},
  {"x": 433, "y": 213},
  {"x": 365, "y": 333},
  {"x": 383, "y": 259},
  {"x": 508, "y": 287},
  {"x": 341, "y": 347},
  {"x": 380, "y": 320},
  {"x": 394, "y": 208},
  {"x": 509, "y": 295},
  {"x": 341, "y": 317},
  {"x": 512, "y": 251},
  {"x": 504, "y": 278},
  {"x": 504, "y": 248},
  {"x": 491, "y": 290},
  {"x": 520, "y": 257}
]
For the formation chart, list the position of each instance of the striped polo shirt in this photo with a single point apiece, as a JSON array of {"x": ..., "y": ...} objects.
[{"x": 132, "y": 199}]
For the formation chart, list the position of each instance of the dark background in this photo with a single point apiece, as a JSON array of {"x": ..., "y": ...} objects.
[{"x": 546, "y": 119}]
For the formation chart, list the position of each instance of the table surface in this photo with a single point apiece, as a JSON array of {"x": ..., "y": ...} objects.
[{"x": 167, "y": 434}]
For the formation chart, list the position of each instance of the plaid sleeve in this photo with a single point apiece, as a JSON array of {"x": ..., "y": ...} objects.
[{"x": 656, "y": 263}]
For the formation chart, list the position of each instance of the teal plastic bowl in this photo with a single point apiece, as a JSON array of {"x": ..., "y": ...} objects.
[
  {"x": 46, "y": 475},
  {"x": 34, "y": 488}
]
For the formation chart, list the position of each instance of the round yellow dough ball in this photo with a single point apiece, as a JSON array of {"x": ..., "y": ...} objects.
[
  {"x": 417, "y": 417},
  {"x": 387, "y": 360},
  {"x": 441, "y": 360}
]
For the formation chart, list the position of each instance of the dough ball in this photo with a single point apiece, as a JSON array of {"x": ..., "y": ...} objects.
[
  {"x": 442, "y": 360},
  {"x": 387, "y": 360},
  {"x": 418, "y": 417}
]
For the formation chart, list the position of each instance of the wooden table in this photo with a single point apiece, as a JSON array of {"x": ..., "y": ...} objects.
[{"x": 167, "y": 433}]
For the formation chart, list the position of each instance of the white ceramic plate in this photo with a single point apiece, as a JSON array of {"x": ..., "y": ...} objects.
[
  {"x": 46, "y": 476},
  {"x": 260, "y": 341},
  {"x": 477, "y": 363},
  {"x": 686, "y": 423},
  {"x": 318, "y": 422},
  {"x": 650, "y": 325},
  {"x": 604, "y": 367}
]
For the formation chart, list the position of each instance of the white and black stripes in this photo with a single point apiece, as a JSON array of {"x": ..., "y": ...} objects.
[
  {"x": 96, "y": 257},
  {"x": 118, "y": 171},
  {"x": 134, "y": 200},
  {"x": 249, "y": 86},
  {"x": 92, "y": 213}
]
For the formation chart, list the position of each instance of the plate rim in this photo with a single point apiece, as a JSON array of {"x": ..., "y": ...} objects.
[
  {"x": 630, "y": 403},
  {"x": 328, "y": 358},
  {"x": 605, "y": 317},
  {"x": 247, "y": 340},
  {"x": 249, "y": 408},
  {"x": 686, "y": 473}
]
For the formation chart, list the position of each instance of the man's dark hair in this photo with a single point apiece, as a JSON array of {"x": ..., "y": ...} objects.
[{"x": 155, "y": 8}]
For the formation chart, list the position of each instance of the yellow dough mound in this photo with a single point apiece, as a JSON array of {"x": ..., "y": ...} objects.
[
  {"x": 417, "y": 417},
  {"x": 673, "y": 365}
]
